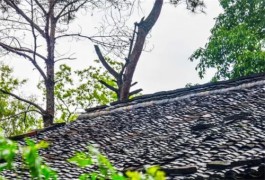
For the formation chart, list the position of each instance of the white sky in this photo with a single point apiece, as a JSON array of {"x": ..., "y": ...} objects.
[{"x": 176, "y": 35}]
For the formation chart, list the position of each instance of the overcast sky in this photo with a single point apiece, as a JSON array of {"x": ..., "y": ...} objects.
[{"x": 176, "y": 35}]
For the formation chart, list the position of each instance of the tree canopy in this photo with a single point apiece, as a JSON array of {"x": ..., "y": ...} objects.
[
  {"x": 32, "y": 29},
  {"x": 80, "y": 89},
  {"x": 16, "y": 117},
  {"x": 237, "y": 44},
  {"x": 74, "y": 91},
  {"x": 124, "y": 77}
]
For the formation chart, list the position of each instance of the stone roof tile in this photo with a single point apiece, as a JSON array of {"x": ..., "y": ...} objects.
[{"x": 212, "y": 131}]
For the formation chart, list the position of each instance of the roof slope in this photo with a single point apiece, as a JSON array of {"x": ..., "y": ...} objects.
[{"x": 210, "y": 131}]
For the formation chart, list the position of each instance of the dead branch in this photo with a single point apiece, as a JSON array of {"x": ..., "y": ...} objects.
[
  {"x": 11, "y": 49},
  {"x": 132, "y": 41},
  {"x": 24, "y": 100},
  {"x": 41, "y": 7},
  {"x": 21, "y": 49},
  {"x": 13, "y": 5},
  {"x": 144, "y": 26},
  {"x": 105, "y": 63},
  {"x": 62, "y": 14},
  {"x": 93, "y": 39},
  {"x": 109, "y": 86},
  {"x": 135, "y": 92},
  {"x": 64, "y": 59},
  {"x": 18, "y": 114},
  {"x": 133, "y": 84}
]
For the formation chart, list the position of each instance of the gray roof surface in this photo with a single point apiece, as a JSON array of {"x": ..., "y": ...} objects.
[{"x": 211, "y": 131}]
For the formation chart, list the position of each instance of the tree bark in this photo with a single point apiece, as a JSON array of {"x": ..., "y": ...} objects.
[
  {"x": 50, "y": 28},
  {"x": 50, "y": 108},
  {"x": 143, "y": 29}
]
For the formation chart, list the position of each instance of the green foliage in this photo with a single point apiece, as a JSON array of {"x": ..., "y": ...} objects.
[
  {"x": 192, "y": 5},
  {"x": 188, "y": 85},
  {"x": 16, "y": 117},
  {"x": 152, "y": 173},
  {"x": 91, "y": 76},
  {"x": 74, "y": 90},
  {"x": 236, "y": 46},
  {"x": 105, "y": 170},
  {"x": 81, "y": 89},
  {"x": 93, "y": 157},
  {"x": 7, "y": 83},
  {"x": 33, "y": 162},
  {"x": 9, "y": 150}
]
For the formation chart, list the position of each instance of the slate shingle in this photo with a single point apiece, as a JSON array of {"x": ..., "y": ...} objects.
[{"x": 212, "y": 131}]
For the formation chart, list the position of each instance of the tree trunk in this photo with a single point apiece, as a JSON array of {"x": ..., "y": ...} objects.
[
  {"x": 134, "y": 57},
  {"x": 50, "y": 110},
  {"x": 48, "y": 117},
  {"x": 143, "y": 29}
]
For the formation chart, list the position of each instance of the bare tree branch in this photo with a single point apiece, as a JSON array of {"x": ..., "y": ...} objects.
[
  {"x": 94, "y": 40},
  {"x": 105, "y": 64},
  {"x": 133, "y": 84},
  {"x": 135, "y": 92},
  {"x": 109, "y": 86},
  {"x": 14, "y": 21},
  {"x": 66, "y": 58},
  {"x": 143, "y": 29},
  {"x": 13, "y": 50},
  {"x": 20, "y": 12},
  {"x": 41, "y": 7},
  {"x": 24, "y": 100},
  {"x": 132, "y": 41},
  {"x": 62, "y": 14},
  {"x": 18, "y": 114},
  {"x": 23, "y": 50},
  {"x": 151, "y": 19}
]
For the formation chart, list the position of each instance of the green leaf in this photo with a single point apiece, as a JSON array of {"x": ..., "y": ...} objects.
[
  {"x": 236, "y": 45},
  {"x": 81, "y": 159},
  {"x": 134, "y": 175}
]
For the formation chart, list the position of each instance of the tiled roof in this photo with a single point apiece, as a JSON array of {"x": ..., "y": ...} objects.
[{"x": 211, "y": 131}]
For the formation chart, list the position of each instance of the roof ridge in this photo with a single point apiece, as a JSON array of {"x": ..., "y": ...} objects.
[
  {"x": 196, "y": 87},
  {"x": 35, "y": 132},
  {"x": 158, "y": 98},
  {"x": 173, "y": 95}
]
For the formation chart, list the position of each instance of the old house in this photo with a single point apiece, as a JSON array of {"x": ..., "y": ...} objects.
[{"x": 210, "y": 131}]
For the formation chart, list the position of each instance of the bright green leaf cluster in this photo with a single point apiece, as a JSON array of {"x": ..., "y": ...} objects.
[
  {"x": 8, "y": 150},
  {"x": 33, "y": 162},
  {"x": 16, "y": 117},
  {"x": 152, "y": 173},
  {"x": 81, "y": 89},
  {"x": 38, "y": 170},
  {"x": 237, "y": 45},
  {"x": 105, "y": 170},
  {"x": 93, "y": 157}
]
